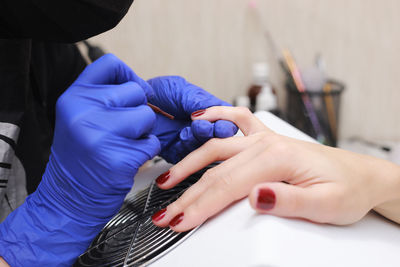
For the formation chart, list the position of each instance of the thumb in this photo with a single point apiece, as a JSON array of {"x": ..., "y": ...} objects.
[{"x": 283, "y": 200}]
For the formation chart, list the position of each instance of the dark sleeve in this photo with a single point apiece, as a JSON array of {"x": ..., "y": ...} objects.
[{"x": 59, "y": 20}]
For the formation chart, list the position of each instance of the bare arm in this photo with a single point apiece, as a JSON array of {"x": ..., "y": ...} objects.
[{"x": 390, "y": 210}]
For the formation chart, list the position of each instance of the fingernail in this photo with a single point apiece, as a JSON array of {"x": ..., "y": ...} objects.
[
  {"x": 265, "y": 199},
  {"x": 158, "y": 215},
  {"x": 176, "y": 220},
  {"x": 163, "y": 178},
  {"x": 198, "y": 113}
]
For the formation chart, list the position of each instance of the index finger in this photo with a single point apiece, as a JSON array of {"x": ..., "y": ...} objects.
[
  {"x": 242, "y": 117},
  {"x": 233, "y": 183}
]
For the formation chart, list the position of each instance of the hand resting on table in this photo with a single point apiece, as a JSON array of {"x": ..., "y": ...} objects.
[{"x": 281, "y": 176}]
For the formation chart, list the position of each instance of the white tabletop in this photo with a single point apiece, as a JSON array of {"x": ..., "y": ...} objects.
[{"x": 240, "y": 237}]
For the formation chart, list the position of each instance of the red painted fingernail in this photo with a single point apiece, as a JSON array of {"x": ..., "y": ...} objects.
[
  {"x": 176, "y": 220},
  {"x": 198, "y": 113},
  {"x": 158, "y": 215},
  {"x": 265, "y": 199},
  {"x": 163, "y": 178}
]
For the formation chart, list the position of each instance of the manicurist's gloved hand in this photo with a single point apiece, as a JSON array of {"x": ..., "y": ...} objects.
[
  {"x": 180, "y": 98},
  {"x": 102, "y": 136}
]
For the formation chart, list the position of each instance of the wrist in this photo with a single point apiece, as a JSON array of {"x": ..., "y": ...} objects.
[
  {"x": 389, "y": 181},
  {"x": 37, "y": 234},
  {"x": 389, "y": 202},
  {"x": 60, "y": 218}
]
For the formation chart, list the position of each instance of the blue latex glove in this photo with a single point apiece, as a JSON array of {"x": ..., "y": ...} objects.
[
  {"x": 181, "y": 136},
  {"x": 102, "y": 137}
]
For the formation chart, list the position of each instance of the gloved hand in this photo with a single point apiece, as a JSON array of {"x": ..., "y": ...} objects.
[
  {"x": 181, "y": 136},
  {"x": 102, "y": 137}
]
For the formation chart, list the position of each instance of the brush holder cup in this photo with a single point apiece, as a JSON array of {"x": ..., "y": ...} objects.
[{"x": 326, "y": 105}]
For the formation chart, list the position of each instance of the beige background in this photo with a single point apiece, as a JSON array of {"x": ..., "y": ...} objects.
[{"x": 213, "y": 43}]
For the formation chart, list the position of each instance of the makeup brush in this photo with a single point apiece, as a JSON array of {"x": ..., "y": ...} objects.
[
  {"x": 330, "y": 107},
  {"x": 295, "y": 73}
]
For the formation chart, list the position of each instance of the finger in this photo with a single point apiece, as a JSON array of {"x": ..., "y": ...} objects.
[
  {"x": 182, "y": 147},
  {"x": 285, "y": 200},
  {"x": 202, "y": 130},
  {"x": 224, "y": 129},
  {"x": 212, "y": 151},
  {"x": 233, "y": 183},
  {"x": 128, "y": 94},
  {"x": 179, "y": 97},
  {"x": 207, "y": 180},
  {"x": 111, "y": 70},
  {"x": 188, "y": 140},
  {"x": 242, "y": 117},
  {"x": 174, "y": 153},
  {"x": 130, "y": 123},
  {"x": 198, "y": 98}
]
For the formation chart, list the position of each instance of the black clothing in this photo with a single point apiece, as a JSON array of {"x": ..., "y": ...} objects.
[
  {"x": 61, "y": 20},
  {"x": 36, "y": 65}
]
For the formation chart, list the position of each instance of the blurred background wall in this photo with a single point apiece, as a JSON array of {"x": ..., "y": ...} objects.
[{"x": 213, "y": 43}]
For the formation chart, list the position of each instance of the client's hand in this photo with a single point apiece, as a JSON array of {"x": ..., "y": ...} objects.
[
  {"x": 282, "y": 176},
  {"x": 180, "y": 98}
]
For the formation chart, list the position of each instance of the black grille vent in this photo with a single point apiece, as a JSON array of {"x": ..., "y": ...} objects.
[{"x": 130, "y": 238}]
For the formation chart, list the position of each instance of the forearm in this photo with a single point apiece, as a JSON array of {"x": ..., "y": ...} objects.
[{"x": 390, "y": 206}]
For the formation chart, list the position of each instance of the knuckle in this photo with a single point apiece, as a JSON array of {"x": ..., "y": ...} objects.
[
  {"x": 130, "y": 85},
  {"x": 225, "y": 184},
  {"x": 199, "y": 212},
  {"x": 153, "y": 145},
  {"x": 211, "y": 174},
  {"x": 109, "y": 99},
  {"x": 147, "y": 113},
  {"x": 243, "y": 113},
  {"x": 260, "y": 136},
  {"x": 280, "y": 147},
  {"x": 176, "y": 206},
  {"x": 212, "y": 146},
  {"x": 270, "y": 138},
  {"x": 201, "y": 183},
  {"x": 243, "y": 110},
  {"x": 212, "y": 142},
  {"x": 135, "y": 89},
  {"x": 111, "y": 58},
  {"x": 196, "y": 211},
  {"x": 264, "y": 140}
]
